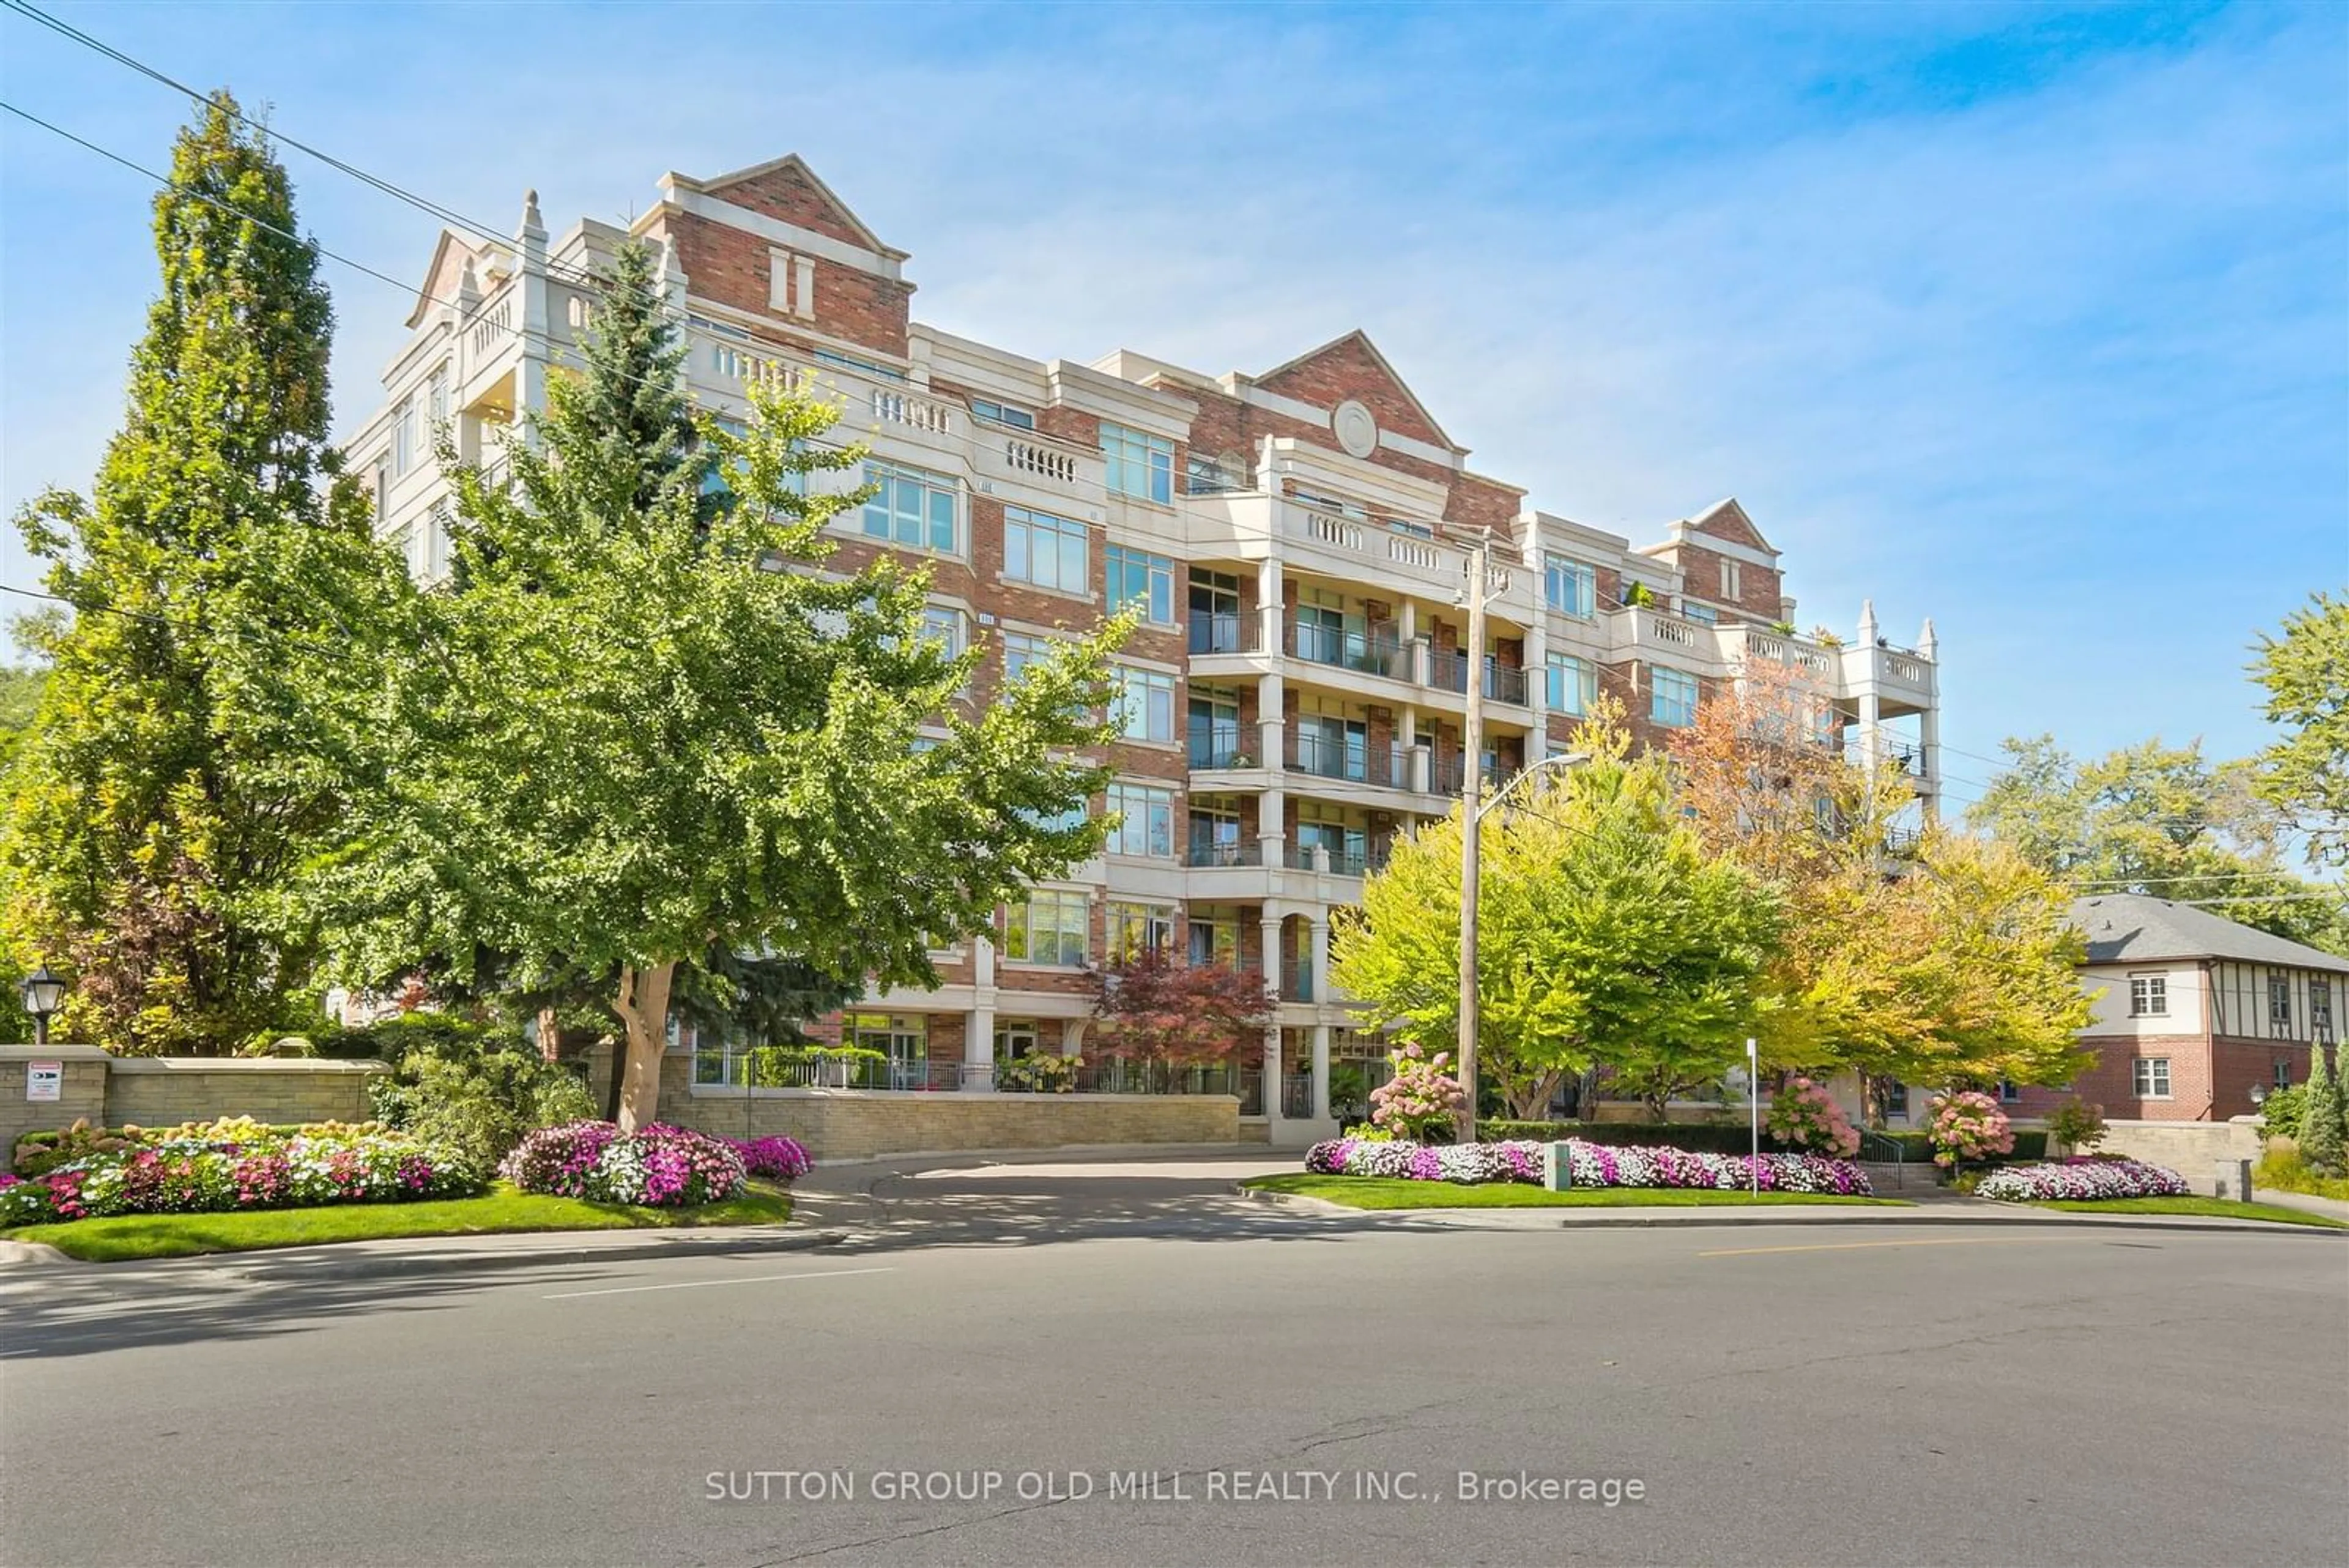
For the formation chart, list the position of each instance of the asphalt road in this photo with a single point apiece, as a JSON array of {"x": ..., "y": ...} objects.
[{"x": 1781, "y": 1395}]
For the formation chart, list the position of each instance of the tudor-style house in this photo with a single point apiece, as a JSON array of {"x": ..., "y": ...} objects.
[{"x": 1296, "y": 539}]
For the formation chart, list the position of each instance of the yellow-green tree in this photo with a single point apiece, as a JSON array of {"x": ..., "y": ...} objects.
[{"x": 1607, "y": 937}]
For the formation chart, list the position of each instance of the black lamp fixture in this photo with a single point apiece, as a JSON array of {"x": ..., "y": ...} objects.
[{"x": 43, "y": 993}]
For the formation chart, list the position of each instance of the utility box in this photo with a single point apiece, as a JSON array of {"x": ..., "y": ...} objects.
[
  {"x": 1558, "y": 1172},
  {"x": 2234, "y": 1180}
]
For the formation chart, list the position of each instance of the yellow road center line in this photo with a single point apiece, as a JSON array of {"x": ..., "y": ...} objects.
[{"x": 1921, "y": 1242}]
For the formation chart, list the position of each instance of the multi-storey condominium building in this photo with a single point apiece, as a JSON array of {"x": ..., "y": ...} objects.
[{"x": 1296, "y": 540}]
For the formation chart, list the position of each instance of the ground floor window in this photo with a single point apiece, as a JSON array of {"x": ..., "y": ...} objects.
[
  {"x": 2153, "y": 1077},
  {"x": 2283, "y": 1075},
  {"x": 902, "y": 1038},
  {"x": 1015, "y": 1038}
]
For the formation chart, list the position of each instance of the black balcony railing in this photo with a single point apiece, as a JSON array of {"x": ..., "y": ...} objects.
[
  {"x": 1359, "y": 651},
  {"x": 1223, "y": 852},
  {"x": 1221, "y": 749},
  {"x": 1348, "y": 757},
  {"x": 1503, "y": 684},
  {"x": 1297, "y": 1096},
  {"x": 1115, "y": 1075},
  {"x": 1222, "y": 631},
  {"x": 1448, "y": 671}
]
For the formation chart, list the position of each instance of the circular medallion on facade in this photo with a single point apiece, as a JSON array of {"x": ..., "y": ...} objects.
[{"x": 1358, "y": 432}]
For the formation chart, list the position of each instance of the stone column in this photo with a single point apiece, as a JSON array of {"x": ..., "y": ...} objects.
[
  {"x": 1320, "y": 1071},
  {"x": 979, "y": 1024}
]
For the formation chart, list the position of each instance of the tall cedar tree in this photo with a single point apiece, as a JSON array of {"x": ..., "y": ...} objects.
[
  {"x": 181, "y": 762},
  {"x": 646, "y": 727}
]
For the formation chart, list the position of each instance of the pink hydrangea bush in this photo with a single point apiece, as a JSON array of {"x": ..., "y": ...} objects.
[
  {"x": 2081, "y": 1178},
  {"x": 213, "y": 1168},
  {"x": 1422, "y": 1099},
  {"x": 1805, "y": 1115},
  {"x": 1968, "y": 1126},
  {"x": 777, "y": 1159},
  {"x": 659, "y": 1166},
  {"x": 1590, "y": 1165}
]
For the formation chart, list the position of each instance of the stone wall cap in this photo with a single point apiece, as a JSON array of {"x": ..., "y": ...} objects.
[
  {"x": 310, "y": 1065},
  {"x": 53, "y": 1053}
]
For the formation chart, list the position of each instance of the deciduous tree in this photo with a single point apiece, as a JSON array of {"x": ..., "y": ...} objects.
[
  {"x": 1152, "y": 1007},
  {"x": 2307, "y": 674},
  {"x": 644, "y": 727}
]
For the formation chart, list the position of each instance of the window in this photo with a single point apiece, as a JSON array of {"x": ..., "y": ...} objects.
[
  {"x": 1896, "y": 1100},
  {"x": 2279, "y": 1005},
  {"x": 1572, "y": 685},
  {"x": 1318, "y": 827},
  {"x": 1021, "y": 650},
  {"x": 2148, "y": 996},
  {"x": 1139, "y": 464},
  {"x": 1214, "y": 833},
  {"x": 1136, "y": 576},
  {"x": 1146, "y": 704},
  {"x": 2283, "y": 1075},
  {"x": 1672, "y": 696},
  {"x": 403, "y": 437},
  {"x": 1206, "y": 476},
  {"x": 943, "y": 625},
  {"x": 1214, "y": 728},
  {"x": 382, "y": 490},
  {"x": 841, "y": 361},
  {"x": 1145, "y": 820},
  {"x": 1215, "y": 938},
  {"x": 1703, "y": 615},
  {"x": 2152, "y": 1079},
  {"x": 1570, "y": 586},
  {"x": 435, "y": 397},
  {"x": 1045, "y": 550},
  {"x": 1132, "y": 928},
  {"x": 903, "y": 1037},
  {"x": 1729, "y": 579},
  {"x": 1215, "y": 613},
  {"x": 1010, "y": 414},
  {"x": 2320, "y": 1004},
  {"x": 911, "y": 507},
  {"x": 2008, "y": 1093},
  {"x": 1049, "y": 927},
  {"x": 1333, "y": 746},
  {"x": 1015, "y": 1038}
]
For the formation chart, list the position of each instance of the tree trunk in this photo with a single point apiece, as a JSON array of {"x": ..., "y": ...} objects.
[
  {"x": 643, "y": 1007},
  {"x": 550, "y": 1035}
]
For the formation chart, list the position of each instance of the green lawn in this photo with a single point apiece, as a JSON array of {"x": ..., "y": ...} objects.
[
  {"x": 1394, "y": 1193},
  {"x": 2220, "y": 1207},
  {"x": 503, "y": 1209}
]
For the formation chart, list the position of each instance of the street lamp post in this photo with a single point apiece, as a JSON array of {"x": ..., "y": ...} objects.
[
  {"x": 1470, "y": 874},
  {"x": 43, "y": 993},
  {"x": 1753, "y": 1113}
]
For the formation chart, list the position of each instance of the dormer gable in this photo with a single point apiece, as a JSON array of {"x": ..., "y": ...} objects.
[
  {"x": 1351, "y": 370},
  {"x": 1727, "y": 520},
  {"x": 787, "y": 190}
]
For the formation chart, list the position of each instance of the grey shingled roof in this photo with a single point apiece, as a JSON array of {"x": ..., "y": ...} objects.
[{"x": 2129, "y": 927}]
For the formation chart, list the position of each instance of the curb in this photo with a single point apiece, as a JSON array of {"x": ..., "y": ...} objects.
[
  {"x": 297, "y": 1265},
  {"x": 1829, "y": 1214}
]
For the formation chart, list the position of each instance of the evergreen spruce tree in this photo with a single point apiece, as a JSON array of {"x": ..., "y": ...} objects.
[
  {"x": 218, "y": 572},
  {"x": 2322, "y": 1141}
]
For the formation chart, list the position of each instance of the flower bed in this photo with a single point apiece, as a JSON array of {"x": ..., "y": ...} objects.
[
  {"x": 660, "y": 1166},
  {"x": 2081, "y": 1178},
  {"x": 214, "y": 1166},
  {"x": 779, "y": 1158},
  {"x": 1589, "y": 1164}
]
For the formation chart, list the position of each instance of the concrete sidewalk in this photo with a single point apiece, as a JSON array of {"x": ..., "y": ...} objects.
[{"x": 2307, "y": 1203}]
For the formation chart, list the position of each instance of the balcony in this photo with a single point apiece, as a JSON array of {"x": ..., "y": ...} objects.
[
  {"x": 1221, "y": 749},
  {"x": 1503, "y": 684},
  {"x": 1350, "y": 759},
  {"x": 1358, "y": 651},
  {"x": 1201, "y": 852}
]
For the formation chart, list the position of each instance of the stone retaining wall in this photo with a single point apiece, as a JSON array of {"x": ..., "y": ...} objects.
[
  {"x": 163, "y": 1091},
  {"x": 857, "y": 1124},
  {"x": 2193, "y": 1150}
]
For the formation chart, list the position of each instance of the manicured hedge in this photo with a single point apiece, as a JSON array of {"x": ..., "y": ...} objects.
[{"x": 1723, "y": 1137}]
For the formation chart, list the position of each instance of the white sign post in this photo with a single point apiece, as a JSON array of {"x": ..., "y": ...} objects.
[
  {"x": 1754, "y": 1111},
  {"x": 45, "y": 1080}
]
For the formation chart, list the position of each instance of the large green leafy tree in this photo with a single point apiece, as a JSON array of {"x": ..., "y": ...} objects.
[
  {"x": 1606, "y": 936},
  {"x": 2160, "y": 820},
  {"x": 639, "y": 726},
  {"x": 174, "y": 774},
  {"x": 2307, "y": 674}
]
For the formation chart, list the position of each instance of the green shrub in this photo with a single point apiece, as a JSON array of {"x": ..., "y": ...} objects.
[
  {"x": 479, "y": 1103},
  {"x": 1697, "y": 1137},
  {"x": 2282, "y": 1109},
  {"x": 440, "y": 1033},
  {"x": 2283, "y": 1170},
  {"x": 2076, "y": 1125}
]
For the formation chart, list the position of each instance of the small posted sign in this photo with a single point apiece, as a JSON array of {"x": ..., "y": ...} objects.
[{"x": 45, "y": 1080}]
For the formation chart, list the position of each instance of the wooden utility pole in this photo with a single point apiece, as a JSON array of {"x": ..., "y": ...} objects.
[{"x": 1472, "y": 779}]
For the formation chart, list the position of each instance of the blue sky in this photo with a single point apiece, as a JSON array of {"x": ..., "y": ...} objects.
[{"x": 2033, "y": 320}]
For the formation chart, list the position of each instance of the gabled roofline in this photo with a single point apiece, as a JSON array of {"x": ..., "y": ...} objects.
[
  {"x": 792, "y": 161},
  {"x": 1357, "y": 335}
]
